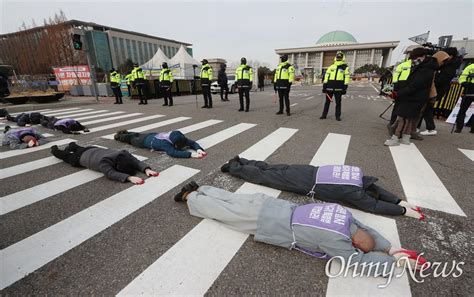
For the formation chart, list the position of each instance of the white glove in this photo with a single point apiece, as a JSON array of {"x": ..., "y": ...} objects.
[
  {"x": 31, "y": 143},
  {"x": 136, "y": 180},
  {"x": 196, "y": 155}
]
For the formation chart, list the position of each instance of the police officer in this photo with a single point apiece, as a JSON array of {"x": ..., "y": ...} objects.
[
  {"x": 128, "y": 79},
  {"x": 244, "y": 76},
  {"x": 166, "y": 81},
  {"x": 335, "y": 84},
  {"x": 206, "y": 78},
  {"x": 115, "y": 80},
  {"x": 284, "y": 77},
  {"x": 399, "y": 79},
  {"x": 467, "y": 81},
  {"x": 138, "y": 78}
]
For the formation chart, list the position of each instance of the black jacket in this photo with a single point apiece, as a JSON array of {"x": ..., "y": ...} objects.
[
  {"x": 445, "y": 74},
  {"x": 222, "y": 77},
  {"x": 415, "y": 92}
]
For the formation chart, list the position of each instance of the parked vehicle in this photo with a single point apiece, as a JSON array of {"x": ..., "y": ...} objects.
[{"x": 231, "y": 82}]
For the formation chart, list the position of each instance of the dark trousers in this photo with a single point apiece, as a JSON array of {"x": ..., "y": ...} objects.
[
  {"x": 284, "y": 96},
  {"x": 224, "y": 89},
  {"x": 465, "y": 103},
  {"x": 129, "y": 88},
  {"x": 71, "y": 153},
  {"x": 141, "y": 93},
  {"x": 118, "y": 95},
  {"x": 244, "y": 92},
  {"x": 336, "y": 96},
  {"x": 206, "y": 92},
  {"x": 133, "y": 138},
  {"x": 167, "y": 96},
  {"x": 300, "y": 179},
  {"x": 428, "y": 116}
]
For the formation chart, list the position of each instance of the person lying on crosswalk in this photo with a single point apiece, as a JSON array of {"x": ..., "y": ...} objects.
[
  {"x": 22, "y": 138},
  {"x": 26, "y": 118},
  {"x": 332, "y": 183},
  {"x": 118, "y": 165},
  {"x": 68, "y": 126},
  {"x": 322, "y": 230},
  {"x": 173, "y": 143}
]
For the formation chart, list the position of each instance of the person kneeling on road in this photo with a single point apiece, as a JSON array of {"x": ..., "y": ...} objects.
[
  {"x": 173, "y": 143},
  {"x": 118, "y": 165},
  {"x": 321, "y": 230},
  {"x": 331, "y": 183},
  {"x": 22, "y": 138}
]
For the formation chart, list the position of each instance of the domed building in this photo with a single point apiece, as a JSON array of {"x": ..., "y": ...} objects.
[{"x": 312, "y": 61}]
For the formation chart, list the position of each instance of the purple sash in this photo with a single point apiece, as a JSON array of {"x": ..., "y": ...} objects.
[
  {"x": 64, "y": 122},
  {"x": 325, "y": 216},
  {"x": 164, "y": 136},
  {"x": 339, "y": 175},
  {"x": 18, "y": 133}
]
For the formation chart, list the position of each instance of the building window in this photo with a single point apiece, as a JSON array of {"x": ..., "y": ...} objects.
[
  {"x": 116, "y": 50},
  {"x": 145, "y": 50},
  {"x": 129, "y": 49},
  {"x": 140, "y": 52},
  {"x": 122, "y": 50},
  {"x": 134, "y": 51}
]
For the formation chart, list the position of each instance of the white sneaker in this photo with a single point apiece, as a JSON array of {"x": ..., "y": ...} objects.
[{"x": 429, "y": 132}]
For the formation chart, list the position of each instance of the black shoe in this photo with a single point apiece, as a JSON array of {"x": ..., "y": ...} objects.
[
  {"x": 288, "y": 113},
  {"x": 241, "y": 109},
  {"x": 145, "y": 103},
  {"x": 140, "y": 103},
  {"x": 247, "y": 110},
  {"x": 280, "y": 112},
  {"x": 226, "y": 99},
  {"x": 457, "y": 130},
  {"x": 338, "y": 119},
  {"x": 116, "y": 103},
  {"x": 188, "y": 188},
  {"x": 322, "y": 117},
  {"x": 170, "y": 104},
  {"x": 205, "y": 106},
  {"x": 209, "y": 107},
  {"x": 166, "y": 104},
  {"x": 54, "y": 148}
]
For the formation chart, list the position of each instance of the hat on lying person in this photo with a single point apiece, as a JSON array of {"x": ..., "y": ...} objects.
[{"x": 125, "y": 163}]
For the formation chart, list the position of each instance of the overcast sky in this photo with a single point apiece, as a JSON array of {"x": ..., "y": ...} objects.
[{"x": 232, "y": 29}]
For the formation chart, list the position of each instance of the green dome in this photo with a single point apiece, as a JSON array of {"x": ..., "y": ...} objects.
[{"x": 336, "y": 38}]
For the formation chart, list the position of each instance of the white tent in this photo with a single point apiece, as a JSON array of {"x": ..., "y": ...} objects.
[
  {"x": 153, "y": 66},
  {"x": 182, "y": 64}
]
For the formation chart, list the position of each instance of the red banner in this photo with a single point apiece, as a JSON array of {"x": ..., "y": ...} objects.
[{"x": 72, "y": 76}]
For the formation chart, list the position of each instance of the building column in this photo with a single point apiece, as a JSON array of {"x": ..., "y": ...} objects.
[
  {"x": 388, "y": 61},
  {"x": 354, "y": 60},
  {"x": 306, "y": 60},
  {"x": 293, "y": 59},
  {"x": 321, "y": 62},
  {"x": 372, "y": 56}
]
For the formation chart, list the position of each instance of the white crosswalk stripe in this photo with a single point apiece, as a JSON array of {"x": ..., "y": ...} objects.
[
  {"x": 74, "y": 115},
  {"x": 27, "y": 255},
  {"x": 152, "y": 126},
  {"x": 15, "y": 153},
  {"x": 99, "y": 115},
  {"x": 218, "y": 137},
  {"x": 66, "y": 113},
  {"x": 124, "y": 116},
  {"x": 40, "y": 110},
  {"x": 468, "y": 153},
  {"x": 209, "y": 247},
  {"x": 420, "y": 183},
  {"x": 29, "y": 166},
  {"x": 115, "y": 125}
]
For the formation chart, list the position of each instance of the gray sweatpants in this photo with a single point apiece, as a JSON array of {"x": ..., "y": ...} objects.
[{"x": 237, "y": 211}]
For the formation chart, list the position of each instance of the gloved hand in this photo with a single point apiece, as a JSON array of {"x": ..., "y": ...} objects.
[
  {"x": 136, "y": 180},
  {"x": 201, "y": 152},
  {"x": 275, "y": 87},
  {"x": 324, "y": 88},
  {"x": 196, "y": 155},
  {"x": 393, "y": 95},
  {"x": 289, "y": 85},
  {"x": 32, "y": 143},
  {"x": 344, "y": 90},
  {"x": 150, "y": 172}
]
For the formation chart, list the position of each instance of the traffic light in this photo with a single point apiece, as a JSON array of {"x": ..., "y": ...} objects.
[{"x": 76, "y": 42}]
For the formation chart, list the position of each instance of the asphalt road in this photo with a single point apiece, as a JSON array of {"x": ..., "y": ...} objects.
[{"x": 108, "y": 261}]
